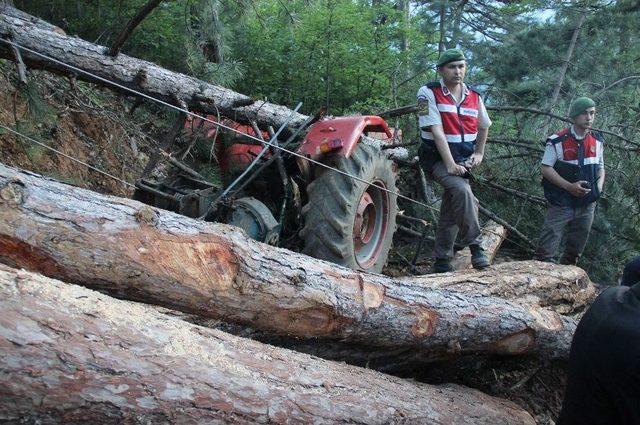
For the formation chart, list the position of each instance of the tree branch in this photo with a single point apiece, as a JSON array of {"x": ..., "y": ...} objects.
[
  {"x": 522, "y": 195},
  {"x": 133, "y": 23},
  {"x": 529, "y": 110},
  {"x": 517, "y": 143},
  {"x": 567, "y": 60},
  {"x": 558, "y": 117},
  {"x": 22, "y": 70},
  {"x": 486, "y": 212},
  {"x": 615, "y": 83}
]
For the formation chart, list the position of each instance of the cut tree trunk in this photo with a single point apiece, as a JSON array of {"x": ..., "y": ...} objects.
[
  {"x": 493, "y": 235},
  {"x": 525, "y": 281},
  {"x": 564, "y": 289},
  {"x": 146, "y": 77},
  {"x": 131, "y": 250},
  {"x": 72, "y": 355}
]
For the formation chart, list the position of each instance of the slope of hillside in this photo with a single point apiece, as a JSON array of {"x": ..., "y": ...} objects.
[{"x": 76, "y": 119}]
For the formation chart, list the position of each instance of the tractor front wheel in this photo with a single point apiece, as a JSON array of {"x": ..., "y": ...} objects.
[{"x": 347, "y": 221}]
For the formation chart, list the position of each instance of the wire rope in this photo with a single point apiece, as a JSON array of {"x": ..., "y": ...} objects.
[{"x": 32, "y": 140}]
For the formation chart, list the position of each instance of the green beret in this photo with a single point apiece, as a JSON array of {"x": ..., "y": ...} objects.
[
  {"x": 451, "y": 55},
  {"x": 580, "y": 105}
]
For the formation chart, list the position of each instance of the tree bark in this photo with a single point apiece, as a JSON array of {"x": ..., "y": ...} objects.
[
  {"x": 493, "y": 235},
  {"x": 565, "y": 64},
  {"x": 72, "y": 355},
  {"x": 131, "y": 250},
  {"x": 132, "y": 73},
  {"x": 8, "y": 9},
  {"x": 441, "y": 28},
  {"x": 405, "y": 7},
  {"x": 563, "y": 289}
]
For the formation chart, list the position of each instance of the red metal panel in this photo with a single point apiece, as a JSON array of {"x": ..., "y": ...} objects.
[
  {"x": 234, "y": 158},
  {"x": 346, "y": 130}
]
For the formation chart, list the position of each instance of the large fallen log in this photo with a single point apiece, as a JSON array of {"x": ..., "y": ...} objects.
[
  {"x": 146, "y": 77},
  {"x": 131, "y": 250},
  {"x": 72, "y": 355},
  {"x": 528, "y": 282}
]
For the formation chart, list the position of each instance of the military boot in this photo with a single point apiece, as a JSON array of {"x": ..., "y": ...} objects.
[
  {"x": 569, "y": 260},
  {"x": 479, "y": 259},
  {"x": 442, "y": 265}
]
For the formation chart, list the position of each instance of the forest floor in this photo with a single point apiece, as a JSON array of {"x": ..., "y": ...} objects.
[{"x": 97, "y": 127}]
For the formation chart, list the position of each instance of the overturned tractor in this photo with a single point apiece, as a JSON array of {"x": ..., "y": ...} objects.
[{"x": 330, "y": 193}]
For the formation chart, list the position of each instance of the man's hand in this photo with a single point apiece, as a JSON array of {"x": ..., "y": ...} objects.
[
  {"x": 474, "y": 160},
  {"x": 456, "y": 169},
  {"x": 577, "y": 190}
]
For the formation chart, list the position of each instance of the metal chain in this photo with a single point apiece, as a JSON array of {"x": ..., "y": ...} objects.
[{"x": 177, "y": 108}]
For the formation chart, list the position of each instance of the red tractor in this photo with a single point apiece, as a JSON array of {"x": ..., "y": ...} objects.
[{"x": 345, "y": 214}]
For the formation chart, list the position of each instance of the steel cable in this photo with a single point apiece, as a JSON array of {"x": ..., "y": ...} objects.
[{"x": 67, "y": 156}]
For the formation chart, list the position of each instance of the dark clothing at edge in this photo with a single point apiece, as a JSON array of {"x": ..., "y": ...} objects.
[
  {"x": 603, "y": 385},
  {"x": 631, "y": 273}
]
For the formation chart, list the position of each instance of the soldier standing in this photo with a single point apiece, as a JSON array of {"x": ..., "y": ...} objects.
[
  {"x": 454, "y": 134},
  {"x": 573, "y": 179}
]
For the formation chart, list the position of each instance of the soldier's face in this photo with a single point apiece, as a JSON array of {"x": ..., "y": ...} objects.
[
  {"x": 453, "y": 72},
  {"x": 584, "y": 121}
]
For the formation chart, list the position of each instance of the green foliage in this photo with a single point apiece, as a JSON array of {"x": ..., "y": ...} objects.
[
  {"x": 35, "y": 153},
  {"x": 343, "y": 54},
  {"x": 211, "y": 173},
  {"x": 525, "y": 71},
  {"x": 33, "y": 129},
  {"x": 37, "y": 107},
  {"x": 208, "y": 56}
]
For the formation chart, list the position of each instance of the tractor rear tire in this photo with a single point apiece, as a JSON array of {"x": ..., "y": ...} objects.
[{"x": 349, "y": 222}]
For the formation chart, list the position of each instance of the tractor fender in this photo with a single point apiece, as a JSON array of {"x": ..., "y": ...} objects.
[{"x": 341, "y": 135}]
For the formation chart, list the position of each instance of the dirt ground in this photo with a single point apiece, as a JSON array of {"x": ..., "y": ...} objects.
[{"x": 66, "y": 118}]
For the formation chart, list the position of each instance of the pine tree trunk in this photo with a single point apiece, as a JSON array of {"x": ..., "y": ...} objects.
[
  {"x": 146, "y": 77},
  {"x": 71, "y": 355},
  {"x": 565, "y": 63},
  {"x": 134, "y": 251}
]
